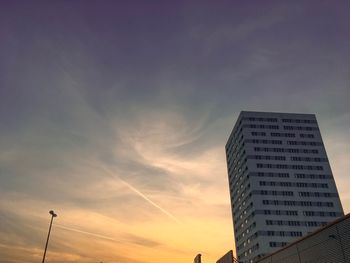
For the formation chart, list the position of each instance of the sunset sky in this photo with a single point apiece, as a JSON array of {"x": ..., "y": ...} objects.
[{"x": 115, "y": 115}]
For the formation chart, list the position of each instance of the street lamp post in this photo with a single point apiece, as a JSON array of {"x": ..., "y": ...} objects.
[{"x": 52, "y": 213}]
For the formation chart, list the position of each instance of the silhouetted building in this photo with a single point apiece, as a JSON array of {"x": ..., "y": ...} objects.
[
  {"x": 227, "y": 258},
  {"x": 281, "y": 183},
  {"x": 198, "y": 258}
]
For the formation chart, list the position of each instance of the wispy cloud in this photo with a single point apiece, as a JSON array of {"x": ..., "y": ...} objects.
[
  {"x": 119, "y": 123},
  {"x": 138, "y": 192}
]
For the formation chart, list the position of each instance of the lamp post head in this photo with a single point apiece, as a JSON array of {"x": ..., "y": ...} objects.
[{"x": 52, "y": 213}]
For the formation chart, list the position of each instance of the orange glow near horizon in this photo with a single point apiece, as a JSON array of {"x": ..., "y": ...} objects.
[{"x": 115, "y": 114}]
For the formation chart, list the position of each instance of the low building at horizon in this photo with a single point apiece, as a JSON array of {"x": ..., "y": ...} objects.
[
  {"x": 227, "y": 258},
  {"x": 198, "y": 258},
  {"x": 280, "y": 179},
  {"x": 327, "y": 244}
]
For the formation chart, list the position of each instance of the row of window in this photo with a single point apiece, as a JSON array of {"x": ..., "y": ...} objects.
[
  {"x": 317, "y": 194},
  {"x": 281, "y": 233},
  {"x": 298, "y": 121},
  {"x": 241, "y": 206},
  {"x": 238, "y": 183},
  {"x": 313, "y": 176},
  {"x": 322, "y": 213},
  {"x": 276, "y": 127},
  {"x": 279, "y": 134},
  {"x": 249, "y": 251},
  {"x": 236, "y": 132},
  {"x": 277, "y": 212},
  {"x": 238, "y": 187},
  {"x": 288, "y": 166},
  {"x": 284, "y": 134},
  {"x": 300, "y": 128},
  {"x": 247, "y": 241},
  {"x": 237, "y": 172},
  {"x": 284, "y": 222},
  {"x": 263, "y": 141},
  {"x": 257, "y": 141},
  {"x": 234, "y": 135},
  {"x": 283, "y": 158},
  {"x": 259, "y": 119},
  {"x": 308, "y": 159},
  {"x": 240, "y": 192},
  {"x": 294, "y": 223},
  {"x": 270, "y": 174},
  {"x": 239, "y": 175},
  {"x": 297, "y": 203},
  {"x": 285, "y": 150},
  {"x": 261, "y": 126},
  {"x": 272, "y": 192},
  {"x": 267, "y": 157},
  {"x": 287, "y": 222},
  {"x": 233, "y": 143},
  {"x": 286, "y": 175},
  {"x": 236, "y": 157},
  {"x": 304, "y": 143},
  {"x": 245, "y": 220},
  {"x": 293, "y": 184},
  {"x": 277, "y": 244},
  {"x": 290, "y": 193},
  {"x": 295, "y": 213},
  {"x": 241, "y": 225},
  {"x": 246, "y": 231},
  {"x": 307, "y": 135},
  {"x": 258, "y": 133},
  {"x": 240, "y": 216},
  {"x": 234, "y": 147},
  {"x": 239, "y": 160}
]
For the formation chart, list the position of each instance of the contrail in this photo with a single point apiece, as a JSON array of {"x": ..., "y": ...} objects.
[
  {"x": 140, "y": 194},
  {"x": 86, "y": 233}
]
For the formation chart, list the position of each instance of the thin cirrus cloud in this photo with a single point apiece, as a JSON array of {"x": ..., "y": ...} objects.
[{"x": 117, "y": 115}]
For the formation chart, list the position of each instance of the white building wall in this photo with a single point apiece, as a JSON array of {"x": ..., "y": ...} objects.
[{"x": 277, "y": 164}]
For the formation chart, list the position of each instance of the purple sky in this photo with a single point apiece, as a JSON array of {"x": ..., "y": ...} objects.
[{"x": 116, "y": 113}]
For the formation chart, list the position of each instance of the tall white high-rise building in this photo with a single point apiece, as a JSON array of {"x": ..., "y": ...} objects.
[{"x": 281, "y": 183}]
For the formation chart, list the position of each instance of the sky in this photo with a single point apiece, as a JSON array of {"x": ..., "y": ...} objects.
[{"x": 115, "y": 115}]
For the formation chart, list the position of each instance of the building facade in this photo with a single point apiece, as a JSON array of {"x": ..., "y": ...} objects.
[{"x": 281, "y": 183}]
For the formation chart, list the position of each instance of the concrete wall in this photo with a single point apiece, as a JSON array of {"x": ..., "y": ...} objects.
[{"x": 330, "y": 244}]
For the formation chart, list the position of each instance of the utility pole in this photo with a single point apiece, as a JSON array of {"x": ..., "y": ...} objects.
[{"x": 52, "y": 213}]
